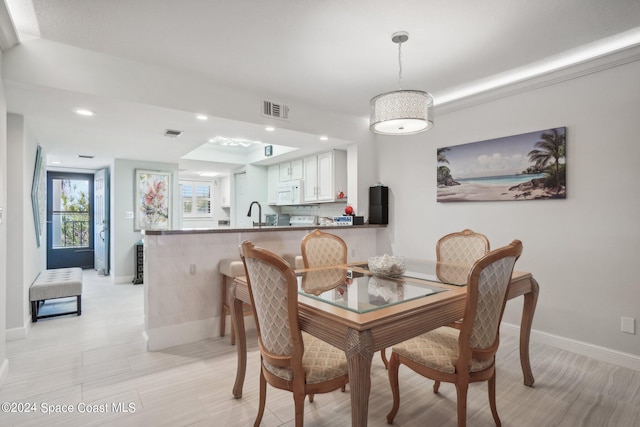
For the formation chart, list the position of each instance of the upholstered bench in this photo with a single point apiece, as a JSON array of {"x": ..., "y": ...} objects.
[
  {"x": 229, "y": 269},
  {"x": 53, "y": 284}
]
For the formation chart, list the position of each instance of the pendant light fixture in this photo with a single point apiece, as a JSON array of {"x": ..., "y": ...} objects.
[{"x": 402, "y": 112}]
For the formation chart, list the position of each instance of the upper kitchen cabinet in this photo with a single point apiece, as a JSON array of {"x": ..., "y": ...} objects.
[
  {"x": 273, "y": 179},
  {"x": 325, "y": 175},
  {"x": 291, "y": 170},
  {"x": 225, "y": 192}
]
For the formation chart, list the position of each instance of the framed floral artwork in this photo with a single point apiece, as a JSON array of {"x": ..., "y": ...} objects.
[
  {"x": 153, "y": 200},
  {"x": 39, "y": 195}
]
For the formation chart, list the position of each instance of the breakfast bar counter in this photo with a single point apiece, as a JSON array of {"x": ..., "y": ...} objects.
[{"x": 182, "y": 285}]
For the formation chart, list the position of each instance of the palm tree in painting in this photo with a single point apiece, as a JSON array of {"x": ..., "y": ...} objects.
[
  {"x": 444, "y": 173},
  {"x": 441, "y": 156},
  {"x": 549, "y": 150}
]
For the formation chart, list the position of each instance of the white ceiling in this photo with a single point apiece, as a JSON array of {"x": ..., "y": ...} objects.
[{"x": 332, "y": 54}]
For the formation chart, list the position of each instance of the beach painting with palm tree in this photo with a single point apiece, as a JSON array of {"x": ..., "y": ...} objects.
[{"x": 530, "y": 166}]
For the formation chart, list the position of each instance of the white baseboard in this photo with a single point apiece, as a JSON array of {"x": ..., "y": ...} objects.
[
  {"x": 4, "y": 371},
  {"x": 20, "y": 333},
  {"x": 123, "y": 279},
  {"x": 184, "y": 333},
  {"x": 593, "y": 351},
  {"x": 15, "y": 334}
]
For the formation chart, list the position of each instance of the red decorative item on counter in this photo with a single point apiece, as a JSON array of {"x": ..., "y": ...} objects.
[{"x": 348, "y": 210}]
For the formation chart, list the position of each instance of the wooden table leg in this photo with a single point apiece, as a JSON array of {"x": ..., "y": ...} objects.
[
  {"x": 528, "y": 310},
  {"x": 359, "y": 351},
  {"x": 237, "y": 323}
]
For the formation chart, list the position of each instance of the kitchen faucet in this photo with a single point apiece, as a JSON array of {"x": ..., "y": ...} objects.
[{"x": 259, "y": 212}]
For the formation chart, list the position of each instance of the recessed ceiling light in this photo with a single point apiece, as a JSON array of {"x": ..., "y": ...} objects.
[
  {"x": 56, "y": 163},
  {"x": 324, "y": 138},
  {"x": 83, "y": 112},
  {"x": 269, "y": 128},
  {"x": 209, "y": 174},
  {"x": 202, "y": 117}
]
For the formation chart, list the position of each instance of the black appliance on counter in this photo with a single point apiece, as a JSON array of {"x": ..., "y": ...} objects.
[{"x": 379, "y": 205}]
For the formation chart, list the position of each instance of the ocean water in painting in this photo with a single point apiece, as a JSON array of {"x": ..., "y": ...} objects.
[{"x": 502, "y": 180}]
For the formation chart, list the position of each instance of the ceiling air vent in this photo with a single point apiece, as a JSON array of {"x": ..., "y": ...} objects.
[
  {"x": 172, "y": 133},
  {"x": 277, "y": 111}
]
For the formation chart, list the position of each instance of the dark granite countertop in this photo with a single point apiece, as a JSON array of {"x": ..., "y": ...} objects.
[{"x": 256, "y": 229}]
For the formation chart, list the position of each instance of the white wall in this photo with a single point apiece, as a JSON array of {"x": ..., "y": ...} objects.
[
  {"x": 4, "y": 363},
  {"x": 25, "y": 258},
  {"x": 583, "y": 250},
  {"x": 123, "y": 235}
]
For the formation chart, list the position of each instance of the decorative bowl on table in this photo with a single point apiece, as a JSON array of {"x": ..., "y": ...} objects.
[{"x": 387, "y": 265}]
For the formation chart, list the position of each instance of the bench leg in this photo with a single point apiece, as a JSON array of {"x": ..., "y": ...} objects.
[
  {"x": 34, "y": 311},
  {"x": 79, "y": 304}
]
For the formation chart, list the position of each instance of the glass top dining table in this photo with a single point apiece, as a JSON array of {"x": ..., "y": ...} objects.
[
  {"x": 356, "y": 289},
  {"x": 353, "y": 309}
]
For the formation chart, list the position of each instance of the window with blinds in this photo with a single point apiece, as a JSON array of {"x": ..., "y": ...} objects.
[{"x": 197, "y": 199}]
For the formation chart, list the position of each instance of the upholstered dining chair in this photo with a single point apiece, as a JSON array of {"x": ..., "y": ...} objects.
[
  {"x": 465, "y": 355},
  {"x": 290, "y": 359},
  {"x": 320, "y": 249}
]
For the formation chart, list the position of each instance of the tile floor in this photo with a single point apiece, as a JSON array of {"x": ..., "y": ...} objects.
[{"x": 96, "y": 368}]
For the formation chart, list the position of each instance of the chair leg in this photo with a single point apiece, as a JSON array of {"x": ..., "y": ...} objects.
[
  {"x": 298, "y": 401},
  {"x": 233, "y": 334},
  {"x": 311, "y": 398},
  {"x": 492, "y": 399},
  {"x": 223, "y": 311},
  {"x": 263, "y": 399},
  {"x": 392, "y": 369},
  {"x": 461, "y": 389},
  {"x": 383, "y": 356},
  {"x": 436, "y": 386}
]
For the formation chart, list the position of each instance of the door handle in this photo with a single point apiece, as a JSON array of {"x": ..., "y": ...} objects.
[{"x": 83, "y": 250}]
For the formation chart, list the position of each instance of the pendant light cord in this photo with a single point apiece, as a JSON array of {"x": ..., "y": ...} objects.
[{"x": 400, "y": 66}]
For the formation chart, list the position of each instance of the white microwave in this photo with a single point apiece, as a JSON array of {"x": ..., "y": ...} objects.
[{"x": 289, "y": 193}]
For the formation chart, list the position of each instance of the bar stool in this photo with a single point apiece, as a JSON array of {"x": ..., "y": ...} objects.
[{"x": 230, "y": 269}]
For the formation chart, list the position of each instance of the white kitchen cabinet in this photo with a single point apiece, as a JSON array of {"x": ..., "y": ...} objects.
[
  {"x": 325, "y": 175},
  {"x": 273, "y": 178},
  {"x": 291, "y": 170},
  {"x": 311, "y": 178},
  {"x": 225, "y": 192}
]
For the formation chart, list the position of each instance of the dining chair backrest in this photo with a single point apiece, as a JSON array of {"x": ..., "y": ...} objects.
[
  {"x": 456, "y": 253},
  {"x": 274, "y": 295},
  {"x": 486, "y": 298},
  {"x": 464, "y": 247},
  {"x": 320, "y": 249}
]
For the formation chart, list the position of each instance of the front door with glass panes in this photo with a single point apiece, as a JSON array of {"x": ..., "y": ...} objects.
[{"x": 69, "y": 220}]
